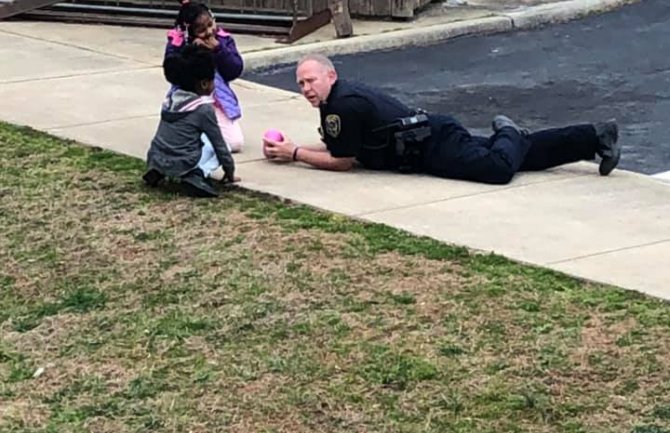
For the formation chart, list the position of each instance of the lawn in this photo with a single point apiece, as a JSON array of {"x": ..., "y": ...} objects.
[{"x": 125, "y": 309}]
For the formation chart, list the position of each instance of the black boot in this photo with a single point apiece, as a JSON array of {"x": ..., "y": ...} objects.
[
  {"x": 608, "y": 147},
  {"x": 195, "y": 184},
  {"x": 153, "y": 177}
]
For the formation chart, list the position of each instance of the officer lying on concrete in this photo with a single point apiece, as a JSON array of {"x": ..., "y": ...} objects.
[{"x": 362, "y": 124}]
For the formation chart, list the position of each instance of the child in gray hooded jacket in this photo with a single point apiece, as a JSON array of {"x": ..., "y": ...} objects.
[{"x": 188, "y": 144}]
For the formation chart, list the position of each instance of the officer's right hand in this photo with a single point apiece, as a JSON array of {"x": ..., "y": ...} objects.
[{"x": 278, "y": 150}]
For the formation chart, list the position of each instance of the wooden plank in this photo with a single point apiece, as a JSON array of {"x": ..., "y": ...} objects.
[
  {"x": 320, "y": 5},
  {"x": 403, "y": 8},
  {"x": 307, "y": 26},
  {"x": 359, "y": 7},
  {"x": 145, "y": 21},
  {"x": 341, "y": 20},
  {"x": 9, "y": 9},
  {"x": 143, "y": 11},
  {"x": 284, "y": 7},
  {"x": 231, "y": 4},
  {"x": 380, "y": 8},
  {"x": 306, "y": 8}
]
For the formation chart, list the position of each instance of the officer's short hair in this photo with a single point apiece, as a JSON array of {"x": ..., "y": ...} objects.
[{"x": 319, "y": 58}]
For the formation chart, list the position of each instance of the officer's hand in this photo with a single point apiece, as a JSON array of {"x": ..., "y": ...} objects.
[{"x": 278, "y": 150}]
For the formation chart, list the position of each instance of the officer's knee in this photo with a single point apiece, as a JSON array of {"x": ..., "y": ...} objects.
[
  {"x": 500, "y": 173},
  {"x": 500, "y": 178},
  {"x": 492, "y": 175}
]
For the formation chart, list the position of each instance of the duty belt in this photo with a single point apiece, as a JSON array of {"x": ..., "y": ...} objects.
[{"x": 407, "y": 136}]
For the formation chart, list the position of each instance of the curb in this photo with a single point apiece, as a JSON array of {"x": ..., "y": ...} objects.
[
  {"x": 383, "y": 41},
  {"x": 562, "y": 12},
  {"x": 528, "y": 18}
]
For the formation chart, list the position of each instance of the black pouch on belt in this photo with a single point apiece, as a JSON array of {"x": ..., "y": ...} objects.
[{"x": 410, "y": 135}]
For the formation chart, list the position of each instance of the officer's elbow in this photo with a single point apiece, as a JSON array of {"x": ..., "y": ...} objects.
[{"x": 501, "y": 172}]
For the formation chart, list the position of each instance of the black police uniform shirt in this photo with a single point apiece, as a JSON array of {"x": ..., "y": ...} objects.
[{"x": 349, "y": 116}]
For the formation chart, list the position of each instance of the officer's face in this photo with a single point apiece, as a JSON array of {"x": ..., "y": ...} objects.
[{"x": 315, "y": 81}]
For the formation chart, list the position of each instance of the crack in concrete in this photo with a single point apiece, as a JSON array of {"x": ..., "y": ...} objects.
[
  {"x": 100, "y": 122},
  {"x": 476, "y": 194},
  {"x": 79, "y": 47},
  {"x": 605, "y": 252},
  {"x": 84, "y": 74}
]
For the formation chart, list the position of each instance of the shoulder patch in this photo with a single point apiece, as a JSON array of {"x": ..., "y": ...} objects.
[{"x": 333, "y": 125}]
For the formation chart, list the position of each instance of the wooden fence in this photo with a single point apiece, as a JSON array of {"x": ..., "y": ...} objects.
[
  {"x": 304, "y": 8},
  {"x": 385, "y": 8}
]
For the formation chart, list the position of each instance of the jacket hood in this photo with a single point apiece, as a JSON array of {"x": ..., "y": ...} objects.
[{"x": 179, "y": 103}]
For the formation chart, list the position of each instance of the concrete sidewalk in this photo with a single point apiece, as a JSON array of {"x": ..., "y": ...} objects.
[{"x": 101, "y": 86}]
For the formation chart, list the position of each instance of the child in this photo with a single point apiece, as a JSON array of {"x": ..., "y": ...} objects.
[
  {"x": 195, "y": 25},
  {"x": 188, "y": 143}
]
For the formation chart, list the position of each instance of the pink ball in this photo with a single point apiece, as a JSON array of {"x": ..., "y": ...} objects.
[{"x": 274, "y": 135}]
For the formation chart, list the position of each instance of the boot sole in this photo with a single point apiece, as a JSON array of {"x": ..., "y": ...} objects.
[
  {"x": 196, "y": 191},
  {"x": 152, "y": 177},
  {"x": 609, "y": 163}
]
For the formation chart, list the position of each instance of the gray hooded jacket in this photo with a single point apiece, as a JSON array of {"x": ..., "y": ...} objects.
[{"x": 177, "y": 147}]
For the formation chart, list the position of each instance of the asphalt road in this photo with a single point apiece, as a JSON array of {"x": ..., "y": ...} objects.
[{"x": 611, "y": 66}]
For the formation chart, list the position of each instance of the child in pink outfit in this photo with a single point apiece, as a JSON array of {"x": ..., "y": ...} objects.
[{"x": 195, "y": 25}]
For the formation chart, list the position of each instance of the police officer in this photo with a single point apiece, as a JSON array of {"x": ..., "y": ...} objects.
[{"x": 362, "y": 124}]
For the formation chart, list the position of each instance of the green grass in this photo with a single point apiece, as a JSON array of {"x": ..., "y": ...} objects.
[{"x": 148, "y": 311}]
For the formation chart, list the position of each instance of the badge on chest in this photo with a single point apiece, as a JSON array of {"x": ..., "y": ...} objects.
[{"x": 333, "y": 125}]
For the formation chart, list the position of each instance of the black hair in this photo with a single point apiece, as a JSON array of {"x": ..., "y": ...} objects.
[
  {"x": 188, "y": 67},
  {"x": 189, "y": 14}
]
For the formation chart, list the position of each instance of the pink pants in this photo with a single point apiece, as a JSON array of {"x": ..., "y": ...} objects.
[{"x": 230, "y": 129}]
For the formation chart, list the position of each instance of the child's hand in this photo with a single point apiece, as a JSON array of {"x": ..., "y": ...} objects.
[
  {"x": 232, "y": 179},
  {"x": 210, "y": 42}
]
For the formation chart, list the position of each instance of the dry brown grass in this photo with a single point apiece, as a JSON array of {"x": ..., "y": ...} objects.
[{"x": 153, "y": 312}]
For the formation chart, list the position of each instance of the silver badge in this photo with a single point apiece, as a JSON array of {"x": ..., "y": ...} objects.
[{"x": 333, "y": 125}]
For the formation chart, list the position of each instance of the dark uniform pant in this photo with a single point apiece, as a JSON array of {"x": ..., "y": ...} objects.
[{"x": 453, "y": 153}]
